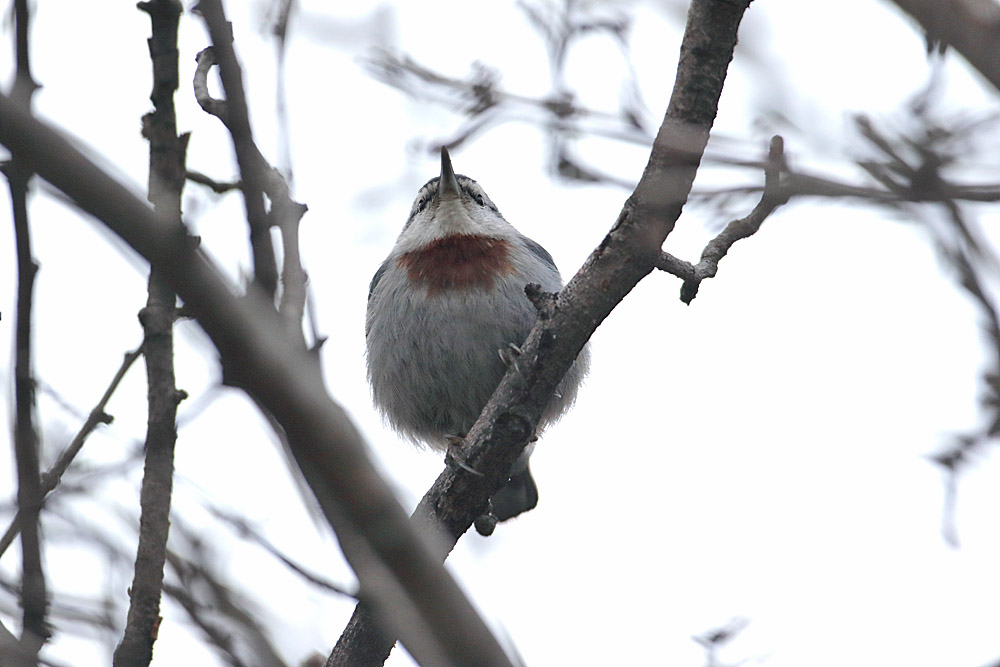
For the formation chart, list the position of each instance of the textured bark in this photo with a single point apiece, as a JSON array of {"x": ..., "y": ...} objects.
[{"x": 166, "y": 181}]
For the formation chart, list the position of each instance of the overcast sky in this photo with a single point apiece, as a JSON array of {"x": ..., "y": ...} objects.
[{"x": 759, "y": 455}]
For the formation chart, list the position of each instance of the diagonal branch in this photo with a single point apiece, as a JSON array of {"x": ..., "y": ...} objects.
[
  {"x": 625, "y": 256},
  {"x": 248, "y": 532}
]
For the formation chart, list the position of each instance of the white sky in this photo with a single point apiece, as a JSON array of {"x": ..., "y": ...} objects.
[{"x": 759, "y": 454}]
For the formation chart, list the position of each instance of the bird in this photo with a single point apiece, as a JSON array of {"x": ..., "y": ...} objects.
[{"x": 447, "y": 311}]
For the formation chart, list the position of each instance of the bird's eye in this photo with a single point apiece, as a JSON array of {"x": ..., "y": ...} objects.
[
  {"x": 480, "y": 200},
  {"x": 422, "y": 203}
]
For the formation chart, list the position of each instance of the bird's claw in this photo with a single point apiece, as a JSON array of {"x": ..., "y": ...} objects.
[
  {"x": 510, "y": 354},
  {"x": 453, "y": 457}
]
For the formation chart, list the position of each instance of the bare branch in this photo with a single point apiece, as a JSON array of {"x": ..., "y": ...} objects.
[
  {"x": 26, "y": 441},
  {"x": 487, "y": 104},
  {"x": 216, "y": 634},
  {"x": 166, "y": 182},
  {"x": 971, "y": 26},
  {"x": 228, "y": 620},
  {"x": 237, "y": 120},
  {"x": 282, "y": 16},
  {"x": 292, "y": 304},
  {"x": 715, "y": 639},
  {"x": 802, "y": 184},
  {"x": 708, "y": 266},
  {"x": 248, "y": 532},
  {"x": 217, "y": 186},
  {"x": 211, "y": 105},
  {"x": 24, "y": 83},
  {"x": 285, "y": 213},
  {"x": 955, "y": 458},
  {"x": 34, "y": 597}
]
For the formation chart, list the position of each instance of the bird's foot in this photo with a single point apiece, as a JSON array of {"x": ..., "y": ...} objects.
[
  {"x": 453, "y": 456},
  {"x": 509, "y": 355}
]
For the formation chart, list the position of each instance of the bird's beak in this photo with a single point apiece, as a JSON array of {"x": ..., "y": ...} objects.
[{"x": 447, "y": 184}]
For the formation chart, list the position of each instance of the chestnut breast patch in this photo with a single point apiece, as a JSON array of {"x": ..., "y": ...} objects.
[{"x": 459, "y": 261}]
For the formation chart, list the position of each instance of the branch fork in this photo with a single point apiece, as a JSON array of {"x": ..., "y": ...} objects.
[{"x": 708, "y": 266}]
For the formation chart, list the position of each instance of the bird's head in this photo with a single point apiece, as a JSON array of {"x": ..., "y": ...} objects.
[
  {"x": 451, "y": 204},
  {"x": 455, "y": 236}
]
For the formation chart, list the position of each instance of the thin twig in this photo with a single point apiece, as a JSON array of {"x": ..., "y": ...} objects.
[
  {"x": 237, "y": 120},
  {"x": 803, "y": 184},
  {"x": 292, "y": 304},
  {"x": 218, "y": 187},
  {"x": 203, "y": 618},
  {"x": 715, "y": 639},
  {"x": 227, "y": 618},
  {"x": 957, "y": 457},
  {"x": 707, "y": 267},
  {"x": 283, "y": 16},
  {"x": 285, "y": 212},
  {"x": 211, "y": 105},
  {"x": 248, "y": 532},
  {"x": 51, "y": 478},
  {"x": 486, "y": 104}
]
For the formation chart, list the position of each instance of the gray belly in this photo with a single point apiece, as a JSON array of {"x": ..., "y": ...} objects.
[{"x": 437, "y": 362}]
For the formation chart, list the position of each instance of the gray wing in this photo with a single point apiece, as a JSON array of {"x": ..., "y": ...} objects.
[
  {"x": 540, "y": 252},
  {"x": 381, "y": 271}
]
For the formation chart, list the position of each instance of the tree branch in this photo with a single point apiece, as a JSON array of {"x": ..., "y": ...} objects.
[
  {"x": 285, "y": 213},
  {"x": 166, "y": 182},
  {"x": 248, "y": 532},
  {"x": 218, "y": 187},
  {"x": 625, "y": 256},
  {"x": 802, "y": 184},
  {"x": 228, "y": 620},
  {"x": 34, "y": 596},
  {"x": 971, "y": 26},
  {"x": 487, "y": 104},
  {"x": 237, "y": 119},
  {"x": 773, "y": 197}
]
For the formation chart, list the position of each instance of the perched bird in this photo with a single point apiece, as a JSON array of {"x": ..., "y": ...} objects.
[{"x": 445, "y": 309}]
